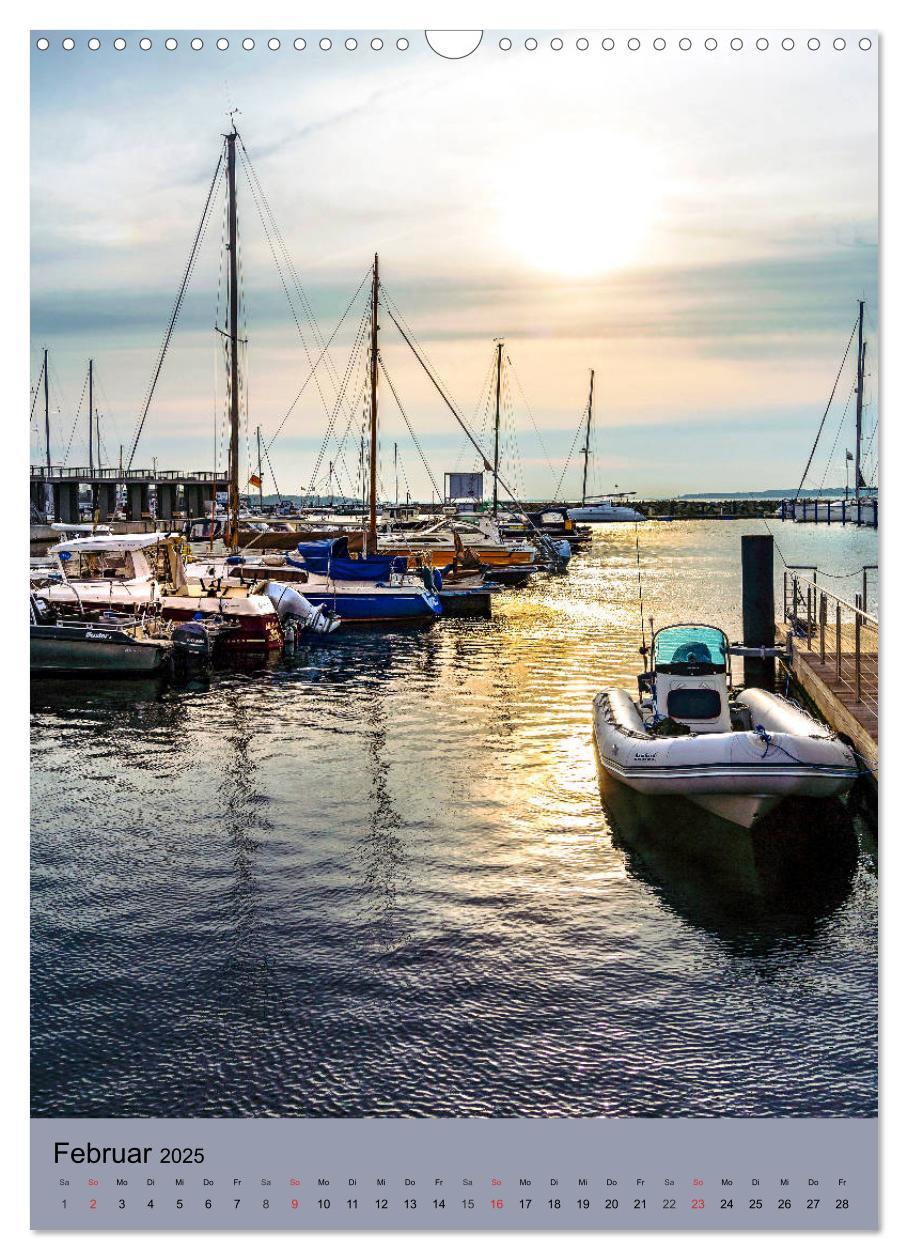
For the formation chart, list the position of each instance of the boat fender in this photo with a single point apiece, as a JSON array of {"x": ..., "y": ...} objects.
[{"x": 437, "y": 579}]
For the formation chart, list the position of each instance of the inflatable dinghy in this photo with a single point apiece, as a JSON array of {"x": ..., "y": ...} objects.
[{"x": 736, "y": 754}]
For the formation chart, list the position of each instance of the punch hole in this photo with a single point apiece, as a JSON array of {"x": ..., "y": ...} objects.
[
  {"x": 196, "y": 44},
  {"x": 248, "y": 44},
  {"x": 299, "y": 44},
  {"x": 557, "y": 44},
  {"x": 711, "y": 44},
  {"x": 865, "y": 44},
  {"x": 737, "y": 44},
  {"x": 530, "y": 43},
  {"x": 608, "y": 44},
  {"x": 377, "y": 44},
  {"x": 69, "y": 44},
  {"x": 633, "y": 43},
  {"x": 762, "y": 44},
  {"x": 350, "y": 44},
  {"x": 838, "y": 44},
  {"x": 403, "y": 44},
  {"x": 583, "y": 44},
  {"x": 685, "y": 44},
  {"x": 170, "y": 44},
  {"x": 324, "y": 44},
  {"x": 452, "y": 45},
  {"x": 223, "y": 44},
  {"x": 274, "y": 44},
  {"x": 813, "y": 44},
  {"x": 145, "y": 43},
  {"x": 788, "y": 44},
  {"x": 659, "y": 44},
  {"x": 94, "y": 43},
  {"x": 504, "y": 44},
  {"x": 42, "y": 44}
]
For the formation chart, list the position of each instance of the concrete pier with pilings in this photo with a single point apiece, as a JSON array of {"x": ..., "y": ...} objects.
[{"x": 178, "y": 493}]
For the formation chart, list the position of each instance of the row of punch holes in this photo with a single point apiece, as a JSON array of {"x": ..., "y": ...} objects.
[{"x": 736, "y": 44}]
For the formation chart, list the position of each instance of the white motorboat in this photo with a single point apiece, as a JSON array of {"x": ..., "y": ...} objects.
[
  {"x": 604, "y": 512},
  {"x": 737, "y": 754},
  {"x": 128, "y": 573}
]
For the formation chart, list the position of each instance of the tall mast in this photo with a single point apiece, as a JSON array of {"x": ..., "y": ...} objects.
[
  {"x": 258, "y": 441},
  {"x": 233, "y": 493},
  {"x": 372, "y": 534},
  {"x": 91, "y": 419},
  {"x": 396, "y": 491},
  {"x": 46, "y": 412},
  {"x": 497, "y": 429},
  {"x": 859, "y": 405},
  {"x": 586, "y": 445}
]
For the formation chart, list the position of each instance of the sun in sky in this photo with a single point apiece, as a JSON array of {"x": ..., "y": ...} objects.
[{"x": 582, "y": 208}]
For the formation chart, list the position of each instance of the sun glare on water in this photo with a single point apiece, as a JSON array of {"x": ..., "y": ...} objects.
[{"x": 579, "y": 210}]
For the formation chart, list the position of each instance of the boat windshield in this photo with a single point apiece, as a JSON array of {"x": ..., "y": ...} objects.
[
  {"x": 93, "y": 565},
  {"x": 689, "y": 645}
]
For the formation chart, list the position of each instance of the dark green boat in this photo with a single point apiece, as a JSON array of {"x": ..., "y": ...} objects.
[{"x": 102, "y": 646}]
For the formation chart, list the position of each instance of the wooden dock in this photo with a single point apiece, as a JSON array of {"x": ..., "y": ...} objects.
[
  {"x": 834, "y": 658},
  {"x": 836, "y": 697}
]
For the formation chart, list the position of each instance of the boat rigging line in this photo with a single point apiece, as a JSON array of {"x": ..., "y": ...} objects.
[
  {"x": 835, "y": 440},
  {"x": 640, "y": 592},
  {"x": 299, "y": 395},
  {"x": 256, "y": 191},
  {"x": 530, "y": 414},
  {"x": 400, "y": 408},
  {"x": 826, "y": 412},
  {"x": 252, "y": 175},
  {"x": 72, "y": 431},
  {"x": 37, "y": 390},
  {"x": 177, "y": 307},
  {"x": 545, "y": 542},
  {"x": 355, "y": 353},
  {"x": 570, "y": 455}
]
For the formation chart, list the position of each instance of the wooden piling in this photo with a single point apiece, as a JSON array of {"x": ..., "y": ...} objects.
[{"x": 758, "y": 607}]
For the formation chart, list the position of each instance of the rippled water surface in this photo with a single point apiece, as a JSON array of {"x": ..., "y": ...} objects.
[{"x": 383, "y": 880}]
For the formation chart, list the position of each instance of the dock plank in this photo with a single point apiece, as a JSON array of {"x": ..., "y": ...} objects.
[{"x": 836, "y": 696}]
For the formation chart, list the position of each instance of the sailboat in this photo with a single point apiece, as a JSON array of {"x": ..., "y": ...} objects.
[
  {"x": 861, "y": 508},
  {"x": 597, "y": 508},
  {"x": 366, "y": 587}
]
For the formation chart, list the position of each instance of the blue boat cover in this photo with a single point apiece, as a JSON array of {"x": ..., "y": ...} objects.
[{"x": 331, "y": 556}]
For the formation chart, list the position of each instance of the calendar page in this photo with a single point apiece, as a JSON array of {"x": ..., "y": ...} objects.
[{"x": 454, "y": 621}]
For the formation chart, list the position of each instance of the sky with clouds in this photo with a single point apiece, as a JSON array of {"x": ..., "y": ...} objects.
[{"x": 696, "y": 226}]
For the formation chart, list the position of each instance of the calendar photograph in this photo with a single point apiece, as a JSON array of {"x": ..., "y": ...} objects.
[{"x": 454, "y": 588}]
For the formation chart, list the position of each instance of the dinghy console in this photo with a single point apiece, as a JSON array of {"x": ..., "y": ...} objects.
[{"x": 688, "y": 685}]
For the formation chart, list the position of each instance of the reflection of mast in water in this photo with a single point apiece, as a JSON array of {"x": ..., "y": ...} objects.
[
  {"x": 383, "y": 850},
  {"x": 762, "y": 894},
  {"x": 249, "y": 970}
]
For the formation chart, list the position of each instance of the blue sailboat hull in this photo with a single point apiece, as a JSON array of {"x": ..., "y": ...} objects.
[{"x": 391, "y": 605}]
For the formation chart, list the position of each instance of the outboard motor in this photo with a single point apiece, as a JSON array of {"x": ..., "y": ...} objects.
[{"x": 192, "y": 649}]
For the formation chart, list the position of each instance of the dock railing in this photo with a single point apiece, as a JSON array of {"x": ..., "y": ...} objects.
[{"x": 841, "y": 634}]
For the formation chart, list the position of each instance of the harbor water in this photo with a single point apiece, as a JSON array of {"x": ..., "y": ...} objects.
[{"x": 383, "y": 879}]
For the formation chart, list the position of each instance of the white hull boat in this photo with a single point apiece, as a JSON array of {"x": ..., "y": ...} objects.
[
  {"x": 735, "y": 754},
  {"x": 604, "y": 513}
]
